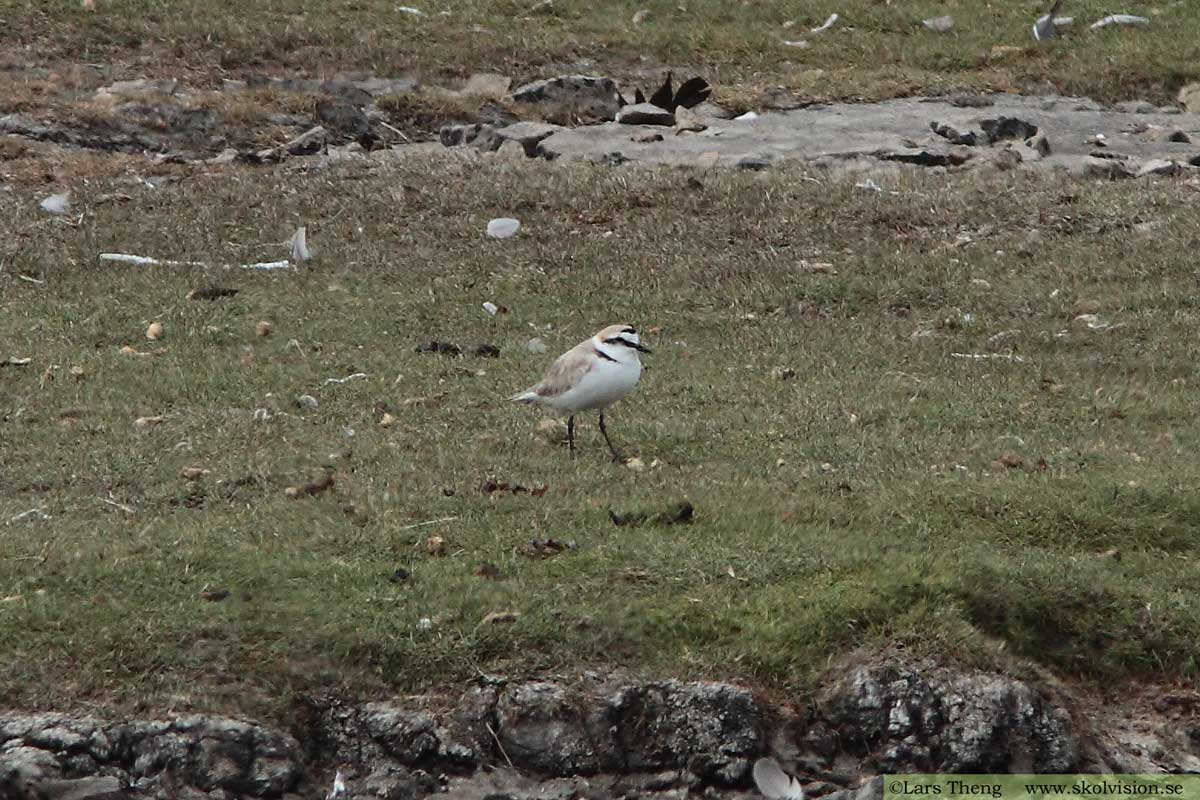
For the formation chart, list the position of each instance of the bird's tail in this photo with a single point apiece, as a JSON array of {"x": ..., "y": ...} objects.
[{"x": 527, "y": 396}]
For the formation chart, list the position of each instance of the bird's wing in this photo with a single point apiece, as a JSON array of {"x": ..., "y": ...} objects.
[{"x": 566, "y": 371}]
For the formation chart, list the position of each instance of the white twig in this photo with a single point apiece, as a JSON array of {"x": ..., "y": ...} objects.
[
  {"x": 983, "y": 356},
  {"x": 36, "y": 513},
  {"x": 427, "y": 522},
  {"x": 396, "y": 131},
  {"x": 29, "y": 279},
  {"x": 345, "y": 379},
  {"x": 115, "y": 504},
  {"x": 497, "y": 738},
  {"x": 126, "y": 258}
]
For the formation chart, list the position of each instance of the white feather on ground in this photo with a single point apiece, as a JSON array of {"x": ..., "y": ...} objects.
[
  {"x": 1119, "y": 19},
  {"x": 298, "y": 245},
  {"x": 774, "y": 783},
  {"x": 57, "y": 203},
  {"x": 826, "y": 25}
]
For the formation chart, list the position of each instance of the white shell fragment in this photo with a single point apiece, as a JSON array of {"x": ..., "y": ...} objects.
[
  {"x": 503, "y": 228},
  {"x": 57, "y": 203}
]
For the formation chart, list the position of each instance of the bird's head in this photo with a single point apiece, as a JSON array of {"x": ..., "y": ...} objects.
[{"x": 620, "y": 342}]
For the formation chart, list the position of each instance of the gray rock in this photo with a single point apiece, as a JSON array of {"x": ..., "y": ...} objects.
[
  {"x": 311, "y": 141},
  {"x": 511, "y": 151},
  {"x": 343, "y": 90},
  {"x": 1189, "y": 97},
  {"x": 486, "y": 84},
  {"x": 24, "y": 765},
  {"x": 645, "y": 114},
  {"x": 968, "y": 100},
  {"x": 342, "y": 116},
  {"x": 942, "y": 24},
  {"x": 380, "y": 87},
  {"x": 389, "y": 782},
  {"x": 839, "y": 133},
  {"x": 408, "y": 736},
  {"x": 541, "y": 726},
  {"x": 1004, "y": 128},
  {"x": 955, "y": 136},
  {"x": 479, "y": 135},
  {"x": 141, "y": 87},
  {"x": 713, "y": 730},
  {"x": 1039, "y": 144},
  {"x": 1160, "y": 166},
  {"x": 106, "y": 788},
  {"x": 226, "y": 156},
  {"x": 190, "y": 125},
  {"x": 928, "y": 718},
  {"x": 1135, "y": 107},
  {"x": 528, "y": 135},
  {"x": 595, "y": 94},
  {"x": 288, "y": 84},
  {"x": 920, "y": 158},
  {"x": 711, "y": 110},
  {"x": 753, "y": 163}
]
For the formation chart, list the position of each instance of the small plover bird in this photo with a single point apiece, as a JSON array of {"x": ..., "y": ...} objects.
[{"x": 592, "y": 375}]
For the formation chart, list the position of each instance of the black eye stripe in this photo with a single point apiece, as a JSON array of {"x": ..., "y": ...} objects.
[{"x": 618, "y": 340}]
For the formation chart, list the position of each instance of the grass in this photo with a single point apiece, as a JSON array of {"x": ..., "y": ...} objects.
[
  {"x": 888, "y": 496},
  {"x": 878, "y": 50}
]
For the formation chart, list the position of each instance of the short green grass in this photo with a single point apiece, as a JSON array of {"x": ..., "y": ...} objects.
[
  {"x": 858, "y": 506},
  {"x": 878, "y": 49}
]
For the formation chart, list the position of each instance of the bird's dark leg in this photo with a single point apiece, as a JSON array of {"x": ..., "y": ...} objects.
[
  {"x": 616, "y": 456},
  {"x": 571, "y": 433}
]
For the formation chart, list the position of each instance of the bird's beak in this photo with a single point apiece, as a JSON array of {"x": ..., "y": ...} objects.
[{"x": 642, "y": 348}]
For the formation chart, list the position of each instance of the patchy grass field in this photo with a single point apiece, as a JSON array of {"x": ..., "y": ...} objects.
[
  {"x": 878, "y": 49},
  {"x": 1034, "y": 507}
]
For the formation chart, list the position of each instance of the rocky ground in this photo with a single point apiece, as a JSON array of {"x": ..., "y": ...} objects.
[
  {"x": 68, "y": 112},
  {"x": 599, "y": 737}
]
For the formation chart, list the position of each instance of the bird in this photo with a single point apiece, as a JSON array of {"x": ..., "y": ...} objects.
[
  {"x": 1044, "y": 28},
  {"x": 590, "y": 376}
]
